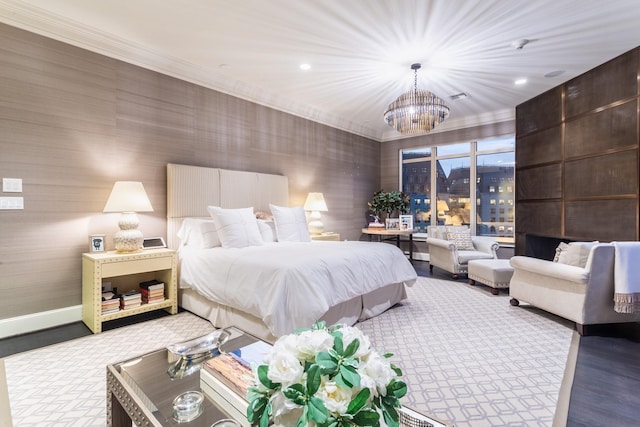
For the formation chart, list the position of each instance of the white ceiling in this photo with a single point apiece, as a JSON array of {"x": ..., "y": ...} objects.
[{"x": 360, "y": 51}]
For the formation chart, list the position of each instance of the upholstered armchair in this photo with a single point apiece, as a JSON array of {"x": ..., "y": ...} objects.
[
  {"x": 452, "y": 247},
  {"x": 581, "y": 290}
]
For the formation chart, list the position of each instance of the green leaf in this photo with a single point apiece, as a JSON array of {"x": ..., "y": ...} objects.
[
  {"x": 367, "y": 417},
  {"x": 396, "y": 369},
  {"x": 295, "y": 393},
  {"x": 359, "y": 401},
  {"x": 303, "y": 421},
  {"x": 256, "y": 408},
  {"x": 387, "y": 355},
  {"x": 352, "y": 348},
  {"x": 263, "y": 371},
  {"x": 317, "y": 411},
  {"x": 313, "y": 379},
  {"x": 327, "y": 363},
  {"x": 350, "y": 376},
  {"x": 265, "y": 417},
  {"x": 391, "y": 417},
  {"x": 397, "y": 389},
  {"x": 338, "y": 344}
]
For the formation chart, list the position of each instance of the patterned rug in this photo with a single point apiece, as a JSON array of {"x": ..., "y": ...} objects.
[{"x": 468, "y": 357}]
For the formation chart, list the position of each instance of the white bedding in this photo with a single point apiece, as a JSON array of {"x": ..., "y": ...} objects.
[{"x": 291, "y": 284}]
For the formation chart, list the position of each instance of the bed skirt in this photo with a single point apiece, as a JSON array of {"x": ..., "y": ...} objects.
[{"x": 349, "y": 312}]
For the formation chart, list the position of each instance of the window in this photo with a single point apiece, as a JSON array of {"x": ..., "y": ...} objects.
[{"x": 449, "y": 172}]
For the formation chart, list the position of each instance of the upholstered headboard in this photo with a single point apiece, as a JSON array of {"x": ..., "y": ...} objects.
[{"x": 190, "y": 189}]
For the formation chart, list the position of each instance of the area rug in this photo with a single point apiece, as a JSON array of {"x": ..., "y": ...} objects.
[{"x": 469, "y": 358}]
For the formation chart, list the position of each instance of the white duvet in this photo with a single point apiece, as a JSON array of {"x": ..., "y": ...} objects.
[{"x": 288, "y": 283}]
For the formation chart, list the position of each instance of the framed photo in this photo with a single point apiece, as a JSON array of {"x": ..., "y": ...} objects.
[
  {"x": 96, "y": 243},
  {"x": 392, "y": 223},
  {"x": 406, "y": 222}
]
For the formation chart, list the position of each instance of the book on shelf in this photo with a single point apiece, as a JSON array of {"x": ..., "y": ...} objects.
[{"x": 152, "y": 285}]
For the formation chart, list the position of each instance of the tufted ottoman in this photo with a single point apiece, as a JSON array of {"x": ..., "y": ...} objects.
[{"x": 495, "y": 273}]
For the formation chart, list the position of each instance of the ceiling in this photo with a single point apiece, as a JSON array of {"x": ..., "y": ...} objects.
[{"x": 360, "y": 51}]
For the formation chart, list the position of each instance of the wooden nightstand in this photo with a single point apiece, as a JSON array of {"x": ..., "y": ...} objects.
[
  {"x": 326, "y": 236},
  {"x": 126, "y": 271}
]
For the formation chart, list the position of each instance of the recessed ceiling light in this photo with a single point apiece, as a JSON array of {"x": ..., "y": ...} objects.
[
  {"x": 555, "y": 73},
  {"x": 305, "y": 67},
  {"x": 458, "y": 96},
  {"x": 224, "y": 66},
  {"x": 520, "y": 81}
]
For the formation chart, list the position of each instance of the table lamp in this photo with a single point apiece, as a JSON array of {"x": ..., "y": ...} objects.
[
  {"x": 128, "y": 197},
  {"x": 316, "y": 204}
]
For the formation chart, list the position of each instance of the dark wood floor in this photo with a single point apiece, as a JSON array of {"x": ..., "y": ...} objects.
[{"x": 606, "y": 385}]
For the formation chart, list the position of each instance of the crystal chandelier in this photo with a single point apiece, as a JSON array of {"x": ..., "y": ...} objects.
[{"x": 416, "y": 111}]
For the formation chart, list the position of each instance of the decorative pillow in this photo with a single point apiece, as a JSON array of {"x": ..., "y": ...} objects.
[
  {"x": 291, "y": 224},
  {"x": 461, "y": 237},
  {"x": 576, "y": 253},
  {"x": 198, "y": 232},
  {"x": 266, "y": 216},
  {"x": 561, "y": 248},
  {"x": 237, "y": 228},
  {"x": 267, "y": 230}
]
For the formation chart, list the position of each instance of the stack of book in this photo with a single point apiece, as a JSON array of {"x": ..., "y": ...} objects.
[
  {"x": 152, "y": 291},
  {"x": 130, "y": 299},
  {"x": 110, "y": 303}
]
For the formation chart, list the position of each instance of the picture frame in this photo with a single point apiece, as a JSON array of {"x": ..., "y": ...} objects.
[
  {"x": 392, "y": 223},
  {"x": 97, "y": 243},
  {"x": 406, "y": 222}
]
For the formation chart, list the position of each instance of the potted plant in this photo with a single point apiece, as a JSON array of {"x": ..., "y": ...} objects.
[{"x": 389, "y": 202}]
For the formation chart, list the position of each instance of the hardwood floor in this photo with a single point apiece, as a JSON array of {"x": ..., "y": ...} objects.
[{"x": 605, "y": 385}]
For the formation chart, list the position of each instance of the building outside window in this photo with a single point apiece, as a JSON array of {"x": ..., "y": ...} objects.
[{"x": 448, "y": 171}]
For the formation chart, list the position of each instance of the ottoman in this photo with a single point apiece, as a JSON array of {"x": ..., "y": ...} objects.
[{"x": 495, "y": 273}]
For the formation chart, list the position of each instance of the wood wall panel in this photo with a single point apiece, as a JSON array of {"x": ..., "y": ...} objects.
[
  {"x": 73, "y": 122},
  {"x": 608, "y": 83},
  {"x": 540, "y": 147},
  {"x": 543, "y": 218},
  {"x": 609, "y": 129},
  {"x": 543, "y": 112},
  {"x": 606, "y": 175},
  {"x": 544, "y": 182},
  {"x": 604, "y": 220}
]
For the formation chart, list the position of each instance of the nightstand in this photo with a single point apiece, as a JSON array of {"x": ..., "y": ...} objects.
[
  {"x": 126, "y": 271},
  {"x": 326, "y": 236}
]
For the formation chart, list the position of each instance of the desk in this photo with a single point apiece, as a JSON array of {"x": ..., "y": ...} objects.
[{"x": 384, "y": 234}]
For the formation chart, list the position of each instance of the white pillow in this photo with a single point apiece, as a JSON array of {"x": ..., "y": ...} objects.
[
  {"x": 576, "y": 253},
  {"x": 267, "y": 230},
  {"x": 237, "y": 228},
  {"x": 291, "y": 224},
  {"x": 198, "y": 232}
]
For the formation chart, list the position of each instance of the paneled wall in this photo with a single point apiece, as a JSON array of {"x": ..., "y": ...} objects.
[
  {"x": 72, "y": 122},
  {"x": 577, "y": 157}
]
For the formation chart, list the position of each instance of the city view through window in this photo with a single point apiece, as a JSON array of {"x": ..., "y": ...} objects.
[{"x": 448, "y": 172}]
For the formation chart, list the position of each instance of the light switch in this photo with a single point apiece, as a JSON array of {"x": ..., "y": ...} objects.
[
  {"x": 12, "y": 185},
  {"x": 11, "y": 202}
]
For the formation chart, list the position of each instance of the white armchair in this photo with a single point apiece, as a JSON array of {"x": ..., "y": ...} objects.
[
  {"x": 583, "y": 295},
  {"x": 445, "y": 254}
]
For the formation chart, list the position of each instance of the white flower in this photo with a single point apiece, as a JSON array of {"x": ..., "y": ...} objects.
[
  {"x": 285, "y": 412},
  {"x": 313, "y": 342},
  {"x": 335, "y": 398},
  {"x": 284, "y": 368},
  {"x": 376, "y": 371},
  {"x": 349, "y": 333}
]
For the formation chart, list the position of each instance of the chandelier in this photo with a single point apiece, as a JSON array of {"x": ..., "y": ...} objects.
[{"x": 416, "y": 111}]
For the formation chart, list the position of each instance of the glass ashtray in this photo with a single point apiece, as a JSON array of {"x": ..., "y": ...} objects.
[{"x": 187, "y": 406}]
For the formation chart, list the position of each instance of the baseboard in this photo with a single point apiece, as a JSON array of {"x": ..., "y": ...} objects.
[{"x": 34, "y": 322}]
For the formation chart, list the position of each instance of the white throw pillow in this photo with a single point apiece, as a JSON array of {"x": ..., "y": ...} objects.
[
  {"x": 267, "y": 230},
  {"x": 576, "y": 253},
  {"x": 198, "y": 232},
  {"x": 461, "y": 238},
  {"x": 291, "y": 224},
  {"x": 237, "y": 228}
]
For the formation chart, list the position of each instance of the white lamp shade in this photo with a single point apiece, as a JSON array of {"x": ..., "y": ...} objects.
[
  {"x": 128, "y": 196},
  {"x": 315, "y": 202}
]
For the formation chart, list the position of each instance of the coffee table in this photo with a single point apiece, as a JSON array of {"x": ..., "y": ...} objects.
[{"x": 140, "y": 390}]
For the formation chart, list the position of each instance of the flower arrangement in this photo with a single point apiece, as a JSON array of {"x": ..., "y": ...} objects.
[{"x": 328, "y": 377}]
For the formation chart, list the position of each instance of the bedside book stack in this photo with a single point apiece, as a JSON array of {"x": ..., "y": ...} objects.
[
  {"x": 130, "y": 299},
  {"x": 110, "y": 303},
  {"x": 152, "y": 291}
]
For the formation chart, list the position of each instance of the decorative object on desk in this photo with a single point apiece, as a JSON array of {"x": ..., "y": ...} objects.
[
  {"x": 392, "y": 223},
  {"x": 374, "y": 221},
  {"x": 191, "y": 354},
  {"x": 389, "y": 202},
  {"x": 406, "y": 222},
  {"x": 316, "y": 204},
  {"x": 153, "y": 243},
  {"x": 96, "y": 243},
  {"x": 416, "y": 111},
  {"x": 227, "y": 422},
  {"x": 128, "y": 197},
  {"x": 325, "y": 376},
  {"x": 187, "y": 406}
]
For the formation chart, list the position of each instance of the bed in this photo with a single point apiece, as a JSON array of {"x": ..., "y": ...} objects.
[{"x": 271, "y": 286}]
